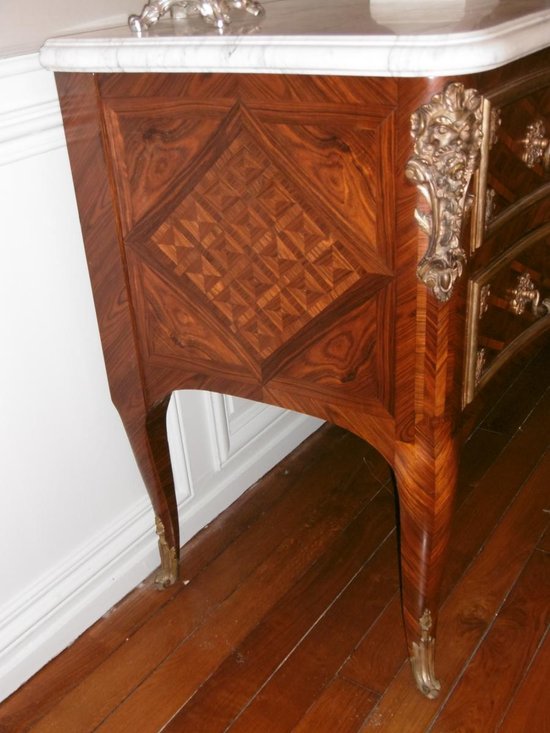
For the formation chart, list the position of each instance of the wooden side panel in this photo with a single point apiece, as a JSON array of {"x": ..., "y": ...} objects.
[{"x": 267, "y": 224}]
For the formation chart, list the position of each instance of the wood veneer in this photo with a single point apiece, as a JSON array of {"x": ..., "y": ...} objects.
[{"x": 256, "y": 235}]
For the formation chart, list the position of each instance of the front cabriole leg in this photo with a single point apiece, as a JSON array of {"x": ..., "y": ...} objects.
[
  {"x": 155, "y": 462},
  {"x": 426, "y": 473},
  {"x": 447, "y": 132},
  {"x": 147, "y": 432}
]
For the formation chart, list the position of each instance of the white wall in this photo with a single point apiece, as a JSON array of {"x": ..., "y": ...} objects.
[
  {"x": 26, "y": 25},
  {"x": 76, "y": 527}
]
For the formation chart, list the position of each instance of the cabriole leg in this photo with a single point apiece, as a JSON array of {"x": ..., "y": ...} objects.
[
  {"x": 149, "y": 441},
  {"x": 426, "y": 473},
  {"x": 166, "y": 510}
]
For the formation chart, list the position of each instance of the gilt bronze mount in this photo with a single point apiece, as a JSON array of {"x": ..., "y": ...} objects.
[
  {"x": 536, "y": 146},
  {"x": 423, "y": 658},
  {"x": 447, "y": 134},
  {"x": 168, "y": 572}
]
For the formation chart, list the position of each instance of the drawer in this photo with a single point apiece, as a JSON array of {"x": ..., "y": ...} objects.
[
  {"x": 511, "y": 226},
  {"x": 508, "y": 306},
  {"x": 516, "y": 159},
  {"x": 514, "y": 178}
]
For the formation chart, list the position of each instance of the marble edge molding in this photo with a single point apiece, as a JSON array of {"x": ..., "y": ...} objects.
[{"x": 352, "y": 55}]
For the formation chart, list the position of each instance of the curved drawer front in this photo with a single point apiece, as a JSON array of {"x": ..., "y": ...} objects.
[
  {"x": 515, "y": 184},
  {"x": 508, "y": 306}
]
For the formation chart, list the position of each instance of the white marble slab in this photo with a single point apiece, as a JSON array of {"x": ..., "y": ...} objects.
[{"x": 350, "y": 37}]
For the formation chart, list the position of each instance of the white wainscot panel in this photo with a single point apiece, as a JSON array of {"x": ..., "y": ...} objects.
[{"x": 220, "y": 445}]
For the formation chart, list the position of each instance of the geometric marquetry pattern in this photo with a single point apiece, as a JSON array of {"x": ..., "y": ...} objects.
[{"x": 258, "y": 255}]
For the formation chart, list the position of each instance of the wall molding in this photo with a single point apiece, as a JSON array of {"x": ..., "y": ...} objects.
[
  {"x": 30, "y": 131},
  {"x": 30, "y": 119},
  {"x": 15, "y": 65}
]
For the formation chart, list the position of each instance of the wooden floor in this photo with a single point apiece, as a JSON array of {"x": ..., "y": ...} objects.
[{"x": 287, "y": 616}]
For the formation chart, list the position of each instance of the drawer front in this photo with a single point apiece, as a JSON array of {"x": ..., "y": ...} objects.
[
  {"x": 514, "y": 224},
  {"x": 514, "y": 185},
  {"x": 508, "y": 306},
  {"x": 516, "y": 160}
]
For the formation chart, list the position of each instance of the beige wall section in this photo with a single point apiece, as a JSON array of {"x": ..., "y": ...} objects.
[{"x": 26, "y": 25}]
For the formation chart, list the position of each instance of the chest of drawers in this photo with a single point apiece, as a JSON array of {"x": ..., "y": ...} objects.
[{"x": 369, "y": 250}]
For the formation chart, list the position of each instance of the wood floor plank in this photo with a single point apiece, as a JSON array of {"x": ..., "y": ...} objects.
[
  {"x": 521, "y": 396},
  {"x": 232, "y": 635},
  {"x": 488, "y": 498},
  {"x": 66, "y": 671},
  {"x": 341, "y": 708},
  {"x": 504, "y": 655},
  {"x": 297, "y": 683},
  {"x": 482, "y": 509},
  {"x": 477, "y": 456},
  {"x": 166, "y": 690},
  {"x": 226, "y": 693},
  {"x": 381, "y": 652},
  {"x": 530, "y": 708},
  {"x": 471, "y": 607},
  {"x": 123, "y": 671}
]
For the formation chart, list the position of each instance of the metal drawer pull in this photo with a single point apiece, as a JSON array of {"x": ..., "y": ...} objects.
[
  {"x": 481, "y": 358},
  {"x": 526, "y": 293},
  {"x": 484, "y": 294},
  {"x": 536, "y": 145},
  {"x": 489, "y": 205},
  {"x": 494, "y": 126}
]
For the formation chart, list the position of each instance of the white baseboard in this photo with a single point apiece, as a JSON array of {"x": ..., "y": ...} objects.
[{"x": 49, "y": 615}]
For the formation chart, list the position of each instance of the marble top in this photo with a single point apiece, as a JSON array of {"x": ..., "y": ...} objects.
[{"x": 350, "y": 37}]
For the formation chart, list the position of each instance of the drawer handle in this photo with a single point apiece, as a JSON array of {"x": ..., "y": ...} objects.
[
  {"x": 536, "y": 145},
  {"x": 489, "y": 205},
  {"x": 481, "y": 361},
  {"x": 215, "y": 12},
  {"x": 484, "y": 294},
  {"x": 526, "y": 293},
  {"x": 495, "y": 121}
]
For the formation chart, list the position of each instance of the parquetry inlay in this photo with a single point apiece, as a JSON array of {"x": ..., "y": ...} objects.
[{"x": 265, "y": 264}]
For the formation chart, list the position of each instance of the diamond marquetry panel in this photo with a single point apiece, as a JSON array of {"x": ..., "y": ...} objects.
[{"x": 261, "y": 257}]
